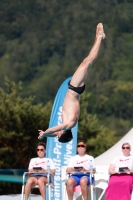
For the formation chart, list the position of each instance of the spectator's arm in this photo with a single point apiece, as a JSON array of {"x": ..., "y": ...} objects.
[
  {"x": 112, "y": 169},
  {"x": 31, "y": 170},
  {"x": 70, "y": 169},
  {"x": 52, "y": 171}
]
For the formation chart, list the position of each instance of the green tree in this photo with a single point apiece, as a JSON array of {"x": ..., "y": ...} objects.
[
  {"x": 98, "y": 137},
  {"x": 19, "y": 124},
  {"x": 114, "y": 105}
]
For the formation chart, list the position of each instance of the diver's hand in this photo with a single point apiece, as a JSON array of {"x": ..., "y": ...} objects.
[{"x": 42, "y": 134}]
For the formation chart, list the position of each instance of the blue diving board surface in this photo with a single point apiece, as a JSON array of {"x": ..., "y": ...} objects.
[{"x": 12, "y": 175}]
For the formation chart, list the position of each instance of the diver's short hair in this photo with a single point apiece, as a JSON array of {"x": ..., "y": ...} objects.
[{"x": 66, "y": 136}]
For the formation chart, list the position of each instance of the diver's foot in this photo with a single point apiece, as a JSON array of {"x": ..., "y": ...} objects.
[{"x": 100, "y": 31}]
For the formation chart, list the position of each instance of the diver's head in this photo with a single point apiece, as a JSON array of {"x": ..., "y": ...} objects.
[{"x": 66, "y": 136}]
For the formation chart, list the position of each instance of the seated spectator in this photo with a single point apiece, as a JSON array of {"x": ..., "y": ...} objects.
[
  {"x": 80, "y": 160},
  {"x": 39, "y": 178},
  {"x": 121, "y": 180}
]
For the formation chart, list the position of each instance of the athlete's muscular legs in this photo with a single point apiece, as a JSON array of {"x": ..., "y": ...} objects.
[{"x": 81, "y": 73}]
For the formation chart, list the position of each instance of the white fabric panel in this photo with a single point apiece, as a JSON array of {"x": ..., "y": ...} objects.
[{"x": 106, "y": 157}]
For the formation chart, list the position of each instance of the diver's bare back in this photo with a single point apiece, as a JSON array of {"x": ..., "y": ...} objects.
[{"x": 71, "y": 108}]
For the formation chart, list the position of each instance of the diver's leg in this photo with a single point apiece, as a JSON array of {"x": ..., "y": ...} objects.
[{"x": 81, "y": 73}]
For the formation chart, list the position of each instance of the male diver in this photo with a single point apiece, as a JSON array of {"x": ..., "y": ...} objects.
[{"x": 71, "y": 105}]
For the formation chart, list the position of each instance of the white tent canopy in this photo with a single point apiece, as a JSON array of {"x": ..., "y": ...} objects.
[{"x": 106, "y": 157}]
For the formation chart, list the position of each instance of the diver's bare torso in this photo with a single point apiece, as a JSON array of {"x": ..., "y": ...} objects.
[{"x": 71, "y": 108}]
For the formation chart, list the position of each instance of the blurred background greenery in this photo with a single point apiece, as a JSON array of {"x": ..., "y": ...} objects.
[{"x": 41, "y": 44}]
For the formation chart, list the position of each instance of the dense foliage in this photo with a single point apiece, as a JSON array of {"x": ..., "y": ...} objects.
[
  {"x": 19, "y": 124},
  {"x": 42, "y": 43}
]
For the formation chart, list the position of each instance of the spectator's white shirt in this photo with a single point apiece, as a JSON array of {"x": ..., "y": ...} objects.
[
  {"x": 122, "y": 161},
  {"x": 41, "y": 162},
  {"x": 81, "y": 161}
]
